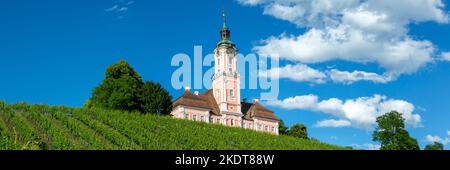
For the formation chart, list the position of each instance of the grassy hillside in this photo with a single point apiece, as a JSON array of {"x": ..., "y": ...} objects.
[{"x": 25, "y": 126}]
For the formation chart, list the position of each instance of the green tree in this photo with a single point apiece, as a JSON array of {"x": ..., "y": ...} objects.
[
  {"x": 391, "y": 133},
  {"x": 282, "y": 128},
  {"x": 87, "y": 103},
  {"x": 122, "y": 89},
  {"x": 435, "y": 146},
  {"x": 2, "y": 104},
  {"x": 298, "y": 130},
  {"x": 157, "y": 100}
]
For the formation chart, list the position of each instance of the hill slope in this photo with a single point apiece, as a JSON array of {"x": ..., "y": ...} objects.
[{"x": 25, "y": 126}]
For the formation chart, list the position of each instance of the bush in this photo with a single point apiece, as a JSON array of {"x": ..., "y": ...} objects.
[
  {"x": 123, "y": 89},
  {"x": 299, "y": 131}
]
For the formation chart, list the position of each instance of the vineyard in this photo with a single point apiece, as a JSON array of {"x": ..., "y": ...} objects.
[{"x": 42, "y": 127}]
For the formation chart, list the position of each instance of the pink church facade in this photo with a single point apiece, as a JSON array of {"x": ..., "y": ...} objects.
[{"x": 222, "y": 104}]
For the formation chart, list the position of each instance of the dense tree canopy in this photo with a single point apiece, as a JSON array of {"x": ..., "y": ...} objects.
[
  {"x": 435, "y": 146},
  {"x": 2, "y": 104},
  {"x": 298, "y": 130},
  {"x": 282, "y": 128},
  {"x": 156, "y": 99},
  {"x": 391, "y": 133},
  {"x": 123, "y": 89}
]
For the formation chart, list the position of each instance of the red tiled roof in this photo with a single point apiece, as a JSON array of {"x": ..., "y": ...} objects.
[
  {"x": 206, "y": 100},
  {"x": 189, "y": 99},
  {"x": 257, "y": 110},
  {"x": 209, "y": 96}
]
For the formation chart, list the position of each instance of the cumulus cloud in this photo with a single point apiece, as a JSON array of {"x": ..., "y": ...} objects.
[
  {"x": 360, "y": 112},
  {"x": 300, "y": 73},
  {"x": 304, "y": 73},
  {"x": 351, "y": 77},
  {"x": 120, "y": 7},
  {"x": 448, "y": 132},
  {"x": 445, "y": 56},
  {"x": 333, "y": 123},
  {"x": 367, "y": 146},
  {"x": 432, "y": 139},
  {"x": 372, "y": 31}
]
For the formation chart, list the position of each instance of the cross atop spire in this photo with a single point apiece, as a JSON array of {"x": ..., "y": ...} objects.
[
  {"x": 224, "y": 16},
  {"x": 225, "y": 32}
]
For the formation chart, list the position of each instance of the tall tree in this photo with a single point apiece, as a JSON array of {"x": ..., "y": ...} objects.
[
  {"x": 2, "y": 104},
  {"x": 298, "y": 130},
  {"x": 122, "y": 89},
  {"x": 157, "y": 100},
  {"x": 282, "y": 128},
  {"x": 391, "y": 133},
  {"x": 435, "y": 146}
]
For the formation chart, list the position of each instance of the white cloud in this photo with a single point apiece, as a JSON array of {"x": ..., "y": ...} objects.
[
  {"x": 351, "y": 77},
  {"x": 306, "y": 102},
  {"x": 251, "y": 2},
  {"x": 372, "y": 31},
  {"x": 333, "y": 123},
  {"x": 360, "y": 112},
  {"x": 343, "y": 43},
  {"x": 373, "y": 146},
  {"x": 448, "y": 132},
  {"x": 300, "y": 73},
  {"x": 432, "y": 139},
  {"x": 120, "y": 7},
  {"x": 367, "y": 146},
  {"x": 304, "y": 73},
  {"x": 445, "y": 56}
]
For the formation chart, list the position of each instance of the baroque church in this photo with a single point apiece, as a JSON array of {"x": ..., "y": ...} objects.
[{"x": 222, "y": 104}]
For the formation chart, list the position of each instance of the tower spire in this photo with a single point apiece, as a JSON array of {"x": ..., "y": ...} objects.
[
  {"x": 225, "y": 32},
  {"x": 224, "y": 17}
]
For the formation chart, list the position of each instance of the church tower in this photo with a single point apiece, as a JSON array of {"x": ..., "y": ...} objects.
[{"x": 226, "y": 80}]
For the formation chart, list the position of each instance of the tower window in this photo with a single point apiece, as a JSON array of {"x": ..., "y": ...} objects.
[{"x": 232, "y": 92}]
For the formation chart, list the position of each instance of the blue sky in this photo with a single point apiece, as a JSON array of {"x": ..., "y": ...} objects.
[{"x": 55, "y": 52}]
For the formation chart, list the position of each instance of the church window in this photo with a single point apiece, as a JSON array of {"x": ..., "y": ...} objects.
[
  {"x": 194, "y": 117},
  {"x": 232, "y": 92},
  {"x": 186, "y": 116},
  {"x": 202, "y": 118},
  {"x": 218, "y": 121}
]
